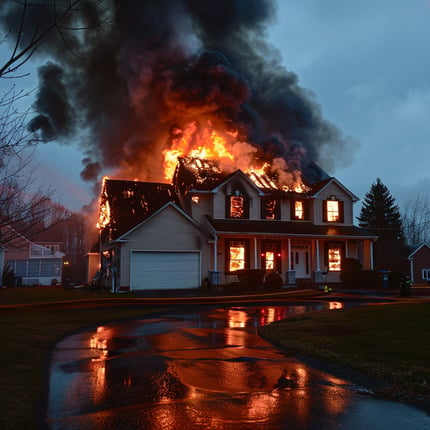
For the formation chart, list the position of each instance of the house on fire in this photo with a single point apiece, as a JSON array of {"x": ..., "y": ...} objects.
[{"x": 209, "y": 224}]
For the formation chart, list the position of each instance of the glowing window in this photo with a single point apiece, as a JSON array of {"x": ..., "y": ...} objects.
[
  {"x": 299, "y": 210},
  {"x": 334, "y": 259},
  {"x": 270, "y": 209},
  {"x": 237, "y": 207},
  {"x": 332, "y": 211},
  {"x": 236, "y": 256},
  {"x": 270, "y": 260}
]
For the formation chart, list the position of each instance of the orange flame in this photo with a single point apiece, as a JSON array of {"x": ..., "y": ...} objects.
[
  {"x": 230, "y": 154},
  {"x": 104, "y": 209},
  {"x": 209, "y": 145}
]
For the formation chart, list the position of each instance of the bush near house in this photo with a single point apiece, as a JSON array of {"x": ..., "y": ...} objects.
[
  {"x": 273, "y": 281},
  {"x": 353, "y": 276}
]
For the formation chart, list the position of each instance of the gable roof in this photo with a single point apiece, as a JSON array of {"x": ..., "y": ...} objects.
[
  {"x": 236, "y": 174},
  {"x": 130, "y": 202},
  {"x": 422, "y": 246},
  {"x": 156, "y": 213},
  {"x": 318, "y": 187}
]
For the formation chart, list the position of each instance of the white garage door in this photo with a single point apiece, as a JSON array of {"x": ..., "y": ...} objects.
[{"x": 164, "y": 270}]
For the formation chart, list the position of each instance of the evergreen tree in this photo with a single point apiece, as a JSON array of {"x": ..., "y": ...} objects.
[{"x": 381, "y": 215}]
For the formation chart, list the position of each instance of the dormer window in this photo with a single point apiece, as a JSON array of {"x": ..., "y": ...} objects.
[
  {"x": 299, "y": 211},
  {"x": 237, "y": 205},
  {"x": 332, "y": 210},
  {"x": 270, "y": 208}
]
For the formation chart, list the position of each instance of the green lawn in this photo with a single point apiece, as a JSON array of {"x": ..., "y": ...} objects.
[{"x": 388, "y": 342}]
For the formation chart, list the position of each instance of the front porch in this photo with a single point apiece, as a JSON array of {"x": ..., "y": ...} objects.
[{"x": 297, "y": 260}]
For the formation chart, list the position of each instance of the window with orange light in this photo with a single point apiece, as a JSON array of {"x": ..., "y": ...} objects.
[
  {"x": 334, "y": 258},
  {"x": 237, "y": 207},
  {"x": 270, "y": 260},
  {"x": 271, "y": 257},
  {"x": 332, "y": 211},
  {"x": 236, "y": 255},
  {"x": 299, "y": 210},
  {"x": 270, "y": 208}
]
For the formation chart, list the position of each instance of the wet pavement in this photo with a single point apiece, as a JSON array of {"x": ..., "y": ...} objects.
[{"x": 206, "y": 368}]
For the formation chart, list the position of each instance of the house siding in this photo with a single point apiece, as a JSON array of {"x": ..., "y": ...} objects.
[
  {"x": 333, "y": 190},
  {"x": 168, "y": 231},
  {"x": 420, "y": 260}
]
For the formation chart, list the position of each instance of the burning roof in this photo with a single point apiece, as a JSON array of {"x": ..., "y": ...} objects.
[
  {"x": 204, "y": 174},
  {"x": 124, "y": 204}
]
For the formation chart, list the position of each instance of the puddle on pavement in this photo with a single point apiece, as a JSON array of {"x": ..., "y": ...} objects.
[{"x": 205, "y": 369}]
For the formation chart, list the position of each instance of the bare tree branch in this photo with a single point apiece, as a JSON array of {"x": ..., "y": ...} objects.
[{"x": 416, "y": 221}]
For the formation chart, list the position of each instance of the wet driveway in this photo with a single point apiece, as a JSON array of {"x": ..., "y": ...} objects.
[{"x": 205, "y": 369}]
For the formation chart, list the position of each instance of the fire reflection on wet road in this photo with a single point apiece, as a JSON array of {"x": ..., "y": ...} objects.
[{"x": 204, "y": 369}]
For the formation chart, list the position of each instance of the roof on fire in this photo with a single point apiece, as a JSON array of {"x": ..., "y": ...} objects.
[
  {"x": 205, "y": 175},
  {"x": 130, "y": 202}
]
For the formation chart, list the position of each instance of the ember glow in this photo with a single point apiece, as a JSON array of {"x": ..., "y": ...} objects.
[
  {"x": 207, "y": 145},
  {"x": 230, "y": 155},
  {"x": 104, "y": 209}
]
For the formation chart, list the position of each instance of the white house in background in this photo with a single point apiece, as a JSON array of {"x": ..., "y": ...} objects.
[
  {"x": 34, "y": 263},
  {"x": 209, "y": 224}
]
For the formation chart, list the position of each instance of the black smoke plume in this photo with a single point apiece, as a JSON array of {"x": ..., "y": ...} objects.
[{"x": 138, "y": 67}]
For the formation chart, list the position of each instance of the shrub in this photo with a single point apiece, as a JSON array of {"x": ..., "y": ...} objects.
[{"x": 273, "y": 281}]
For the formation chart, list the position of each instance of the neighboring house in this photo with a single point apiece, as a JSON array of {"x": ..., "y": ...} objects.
[
  {"x": 209, "y": 224},
  {"x": 419, "y": 261},
  {"x": 34, "y": 263}
]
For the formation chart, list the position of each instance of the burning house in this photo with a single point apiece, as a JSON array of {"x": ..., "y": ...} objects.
[
  {"x": 211, "y": 143},
  {"x": 209, "y": 223}
]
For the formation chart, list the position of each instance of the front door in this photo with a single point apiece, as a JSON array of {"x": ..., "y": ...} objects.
[{"x": 300, "y": 261}]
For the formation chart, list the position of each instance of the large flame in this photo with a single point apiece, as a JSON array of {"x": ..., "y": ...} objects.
[
  {"x": 207, "y": 145},
  {"x": 230, "y": 154},
  {"x": 104, "y": 209}
]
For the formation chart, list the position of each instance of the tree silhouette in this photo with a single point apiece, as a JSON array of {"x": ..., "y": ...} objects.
[{"x": 380, "y": 215}]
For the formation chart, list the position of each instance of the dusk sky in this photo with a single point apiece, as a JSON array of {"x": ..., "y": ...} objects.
[{"x": 367, "y": 66}]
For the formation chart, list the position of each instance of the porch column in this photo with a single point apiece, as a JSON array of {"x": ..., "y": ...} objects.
[
  {"x": 255, "y": 254},
  {"x": 346, "y": 249},
  {"x": 289, "y": 254},
  {"x": 317, "y": 254},
  {"x": 318, "y": 275},
  {"x": 214, "y": 275},
  {"x": 215, "y": 254},
  {"x": 371, "y": 255},
  {"x": 291, "y": 274}
]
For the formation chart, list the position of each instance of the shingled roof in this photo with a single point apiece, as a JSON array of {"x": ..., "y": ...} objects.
[
  {"x": 130, "y": 202},
  {"x": 204, "y": 175}
]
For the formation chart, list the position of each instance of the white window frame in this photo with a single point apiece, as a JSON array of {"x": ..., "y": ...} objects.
[{"x": 425, "y": 274}]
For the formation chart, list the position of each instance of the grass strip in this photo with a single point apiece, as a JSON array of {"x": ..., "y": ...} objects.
[
  {"x": 26, "y": 337},
  {"x": 388, "y": 343}
]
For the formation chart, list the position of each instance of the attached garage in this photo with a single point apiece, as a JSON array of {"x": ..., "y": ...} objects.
[{"x": 163, "y": 270}]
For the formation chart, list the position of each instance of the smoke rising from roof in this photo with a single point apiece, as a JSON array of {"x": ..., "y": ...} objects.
[{"x": 156, "y": 64}]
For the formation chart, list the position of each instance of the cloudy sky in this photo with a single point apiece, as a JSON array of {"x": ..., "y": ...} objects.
[{"x": 367, "y": 65}]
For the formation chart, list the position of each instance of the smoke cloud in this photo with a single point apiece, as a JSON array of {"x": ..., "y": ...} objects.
[{"x": 141, "y": 68}]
